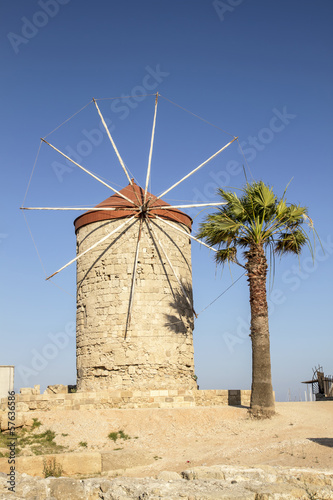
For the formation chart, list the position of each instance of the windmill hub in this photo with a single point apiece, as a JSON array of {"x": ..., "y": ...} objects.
[{"x": 144, "y": 209}]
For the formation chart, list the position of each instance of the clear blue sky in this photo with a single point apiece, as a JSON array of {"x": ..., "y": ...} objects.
[{"x": 259, "y": 70}]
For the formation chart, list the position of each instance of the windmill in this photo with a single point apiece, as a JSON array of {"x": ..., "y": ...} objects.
[{"x": 134, "y": 284}]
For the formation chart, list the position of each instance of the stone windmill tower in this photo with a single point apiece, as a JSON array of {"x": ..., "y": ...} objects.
[
  {"x": 134, "y": 284},
  {"x": 134, "y": 293}
]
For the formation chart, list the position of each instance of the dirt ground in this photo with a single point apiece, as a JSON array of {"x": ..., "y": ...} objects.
[{"x": 300, "y": 435}]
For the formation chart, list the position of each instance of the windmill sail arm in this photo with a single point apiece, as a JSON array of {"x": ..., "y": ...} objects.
[
  {"x": 80, "y": 208},
  {"x": 166, "y": 207},
  {"x": 87, "y": 171},
  {"x": 151, "y": 150},
  {"x": 116, "y": 149},
  {"x": 196, "y": 169},
  {"x": 93, "y": 246},
  {"x": 130, "y": 307},
  {"x": 185, "y": 233}
]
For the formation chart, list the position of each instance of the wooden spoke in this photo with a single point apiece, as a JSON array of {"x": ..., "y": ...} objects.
[
  {"x": 93, "y": 246},
  {"x": 130, "y": 307},
  {"x": 80, "y": 208},
  {"x": 116, "y": 150},
  {"x": 166, "y": 207},
  {"x": 151, "y": 150},
  {"x": 196, "y": 169},
  {"x": 185, "y": 233},
  {"x": 87, "y": 171}
]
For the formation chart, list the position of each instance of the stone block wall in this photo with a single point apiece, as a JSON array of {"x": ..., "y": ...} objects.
[
  {"x": 223, "y": 397},
  {"x": 154, "y": 398},
  {"x": 156, "y": 351}
]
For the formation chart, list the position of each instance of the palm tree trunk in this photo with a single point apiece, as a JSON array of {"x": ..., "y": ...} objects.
[{"x": 262, "y": 397}]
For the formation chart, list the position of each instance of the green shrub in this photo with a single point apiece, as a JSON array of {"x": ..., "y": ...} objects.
[
  {"x": 122, "y": 435},
  {"x": 48, "y": 436},
  {"x": 118, "y": 435},
  {"x": 113, "y": 436},
  {"x": 36, "y": 423},
  {"x": 51, "y": 468}
]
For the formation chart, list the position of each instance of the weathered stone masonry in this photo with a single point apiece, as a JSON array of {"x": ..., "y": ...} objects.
[
  {"x": 164, "y": 398},
  {"x": 157, "y": 350}
]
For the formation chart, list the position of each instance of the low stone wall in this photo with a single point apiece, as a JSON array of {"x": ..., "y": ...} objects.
[
  {"x": 72, "y": 464},
  {"x": 90, "y": 463},
  {"x": 165, "y": 398},
  {"x": 222, "y": 397}
]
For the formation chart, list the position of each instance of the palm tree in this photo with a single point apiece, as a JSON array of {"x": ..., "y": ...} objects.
[{"x": 257, "y": 221}]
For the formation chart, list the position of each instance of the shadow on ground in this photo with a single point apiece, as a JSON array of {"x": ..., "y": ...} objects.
[{"x": 323, "y": 441}]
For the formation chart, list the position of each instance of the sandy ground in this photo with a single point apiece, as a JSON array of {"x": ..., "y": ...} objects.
[{"x": 300, "y": 435}]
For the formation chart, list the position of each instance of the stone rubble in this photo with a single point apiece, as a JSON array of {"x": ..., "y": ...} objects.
[{"x": 198, "y": 483}]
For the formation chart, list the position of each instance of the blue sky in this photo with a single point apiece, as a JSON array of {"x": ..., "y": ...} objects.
[{"x": 258, "y": 70}]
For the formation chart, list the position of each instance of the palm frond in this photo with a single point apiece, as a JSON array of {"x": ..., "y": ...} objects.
[
  {"x": 244, "y": 241},
  {"x": 297, "y": 213},
  {"x": 291, "y": 242},
  {"x": 257, "y": 217},
  {"x": 234, "y": 206},
  {"x": 227, "y": 255},
  {"x": 264, "y": 197},
  {"x": 271, "y": 264},
  {"x": 218, "y": 228},
  {"x": 285, "y": 190},
  {"x": 281, "y": 209},
  {"x": 260, "y": 201}
]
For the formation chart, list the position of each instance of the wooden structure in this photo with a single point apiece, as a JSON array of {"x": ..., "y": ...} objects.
[{"x": 322, "y": 385}]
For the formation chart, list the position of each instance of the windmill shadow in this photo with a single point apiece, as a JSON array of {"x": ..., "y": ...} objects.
[
  {"x": 166, "y": 234},
  {"x": 182, "y": 320}
]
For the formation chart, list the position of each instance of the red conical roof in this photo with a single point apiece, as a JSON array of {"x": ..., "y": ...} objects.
[{"x": 136, "y": 194}]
